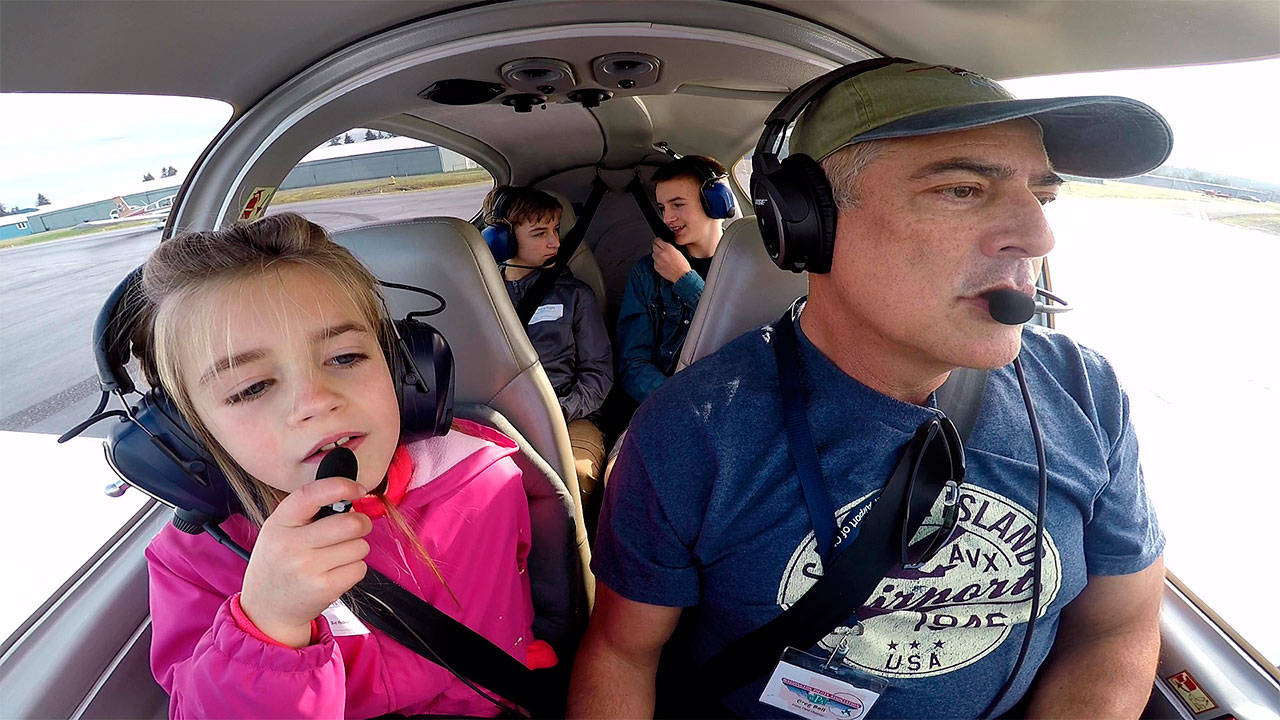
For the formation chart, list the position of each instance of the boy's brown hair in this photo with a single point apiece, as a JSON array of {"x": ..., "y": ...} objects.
[
  {"x": 697, "y": 168},
  {"x": 520, "y": 205}
]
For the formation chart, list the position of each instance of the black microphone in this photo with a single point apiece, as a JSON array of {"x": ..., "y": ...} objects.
[
  {"x": 340, "y": 462},
  {"x": 1014, "y": 308}
]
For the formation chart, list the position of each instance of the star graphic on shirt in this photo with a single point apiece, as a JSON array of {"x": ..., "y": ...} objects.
[
  {"x": 914, "y": 644},
  {"x": 893, "y": 646},
  {"x": 937, "y": 645}
]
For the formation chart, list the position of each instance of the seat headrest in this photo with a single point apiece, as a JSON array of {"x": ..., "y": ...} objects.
[
  {"x": 496, "y": 364},
  {"x": 744, "y": 290},
  {"x": 567, "y": 216}
]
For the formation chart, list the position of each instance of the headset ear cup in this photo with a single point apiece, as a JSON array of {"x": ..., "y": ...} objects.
[
  {"x": 424, "y": 358},
  {"x": 161, "y": 455},
  {"x": 819, "y": 237},
  {"x": 500, "y": 240},
  {"x": 717, "y": 200},
  {"x": 392, "y": 350}
]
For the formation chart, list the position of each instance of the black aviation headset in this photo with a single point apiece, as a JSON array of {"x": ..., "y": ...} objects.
[
  {"x": 793, "y": 201},
  {"x": 153, "y": 448}
]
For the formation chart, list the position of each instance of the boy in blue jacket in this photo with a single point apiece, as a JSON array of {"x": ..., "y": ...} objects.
[{"x": 664, "y": 288}]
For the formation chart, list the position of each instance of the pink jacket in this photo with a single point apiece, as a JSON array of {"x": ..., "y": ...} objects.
[{"x": 465, "y": 499}]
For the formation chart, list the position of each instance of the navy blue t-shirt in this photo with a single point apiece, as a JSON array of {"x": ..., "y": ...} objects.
[{"x": 704, "y": 509}]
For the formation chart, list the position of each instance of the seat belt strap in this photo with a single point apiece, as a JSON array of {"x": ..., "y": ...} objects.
[
  {"x": 855, "y": 571},
  {"x": 650, "y": 213},
  {"x": 568, "y": 246},
  {"x": 424, "y": 629},
  {"x": 960, "y": 398}
]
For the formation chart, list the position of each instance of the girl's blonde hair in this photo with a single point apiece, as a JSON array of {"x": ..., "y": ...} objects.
[{"x": 185, "y": 269}]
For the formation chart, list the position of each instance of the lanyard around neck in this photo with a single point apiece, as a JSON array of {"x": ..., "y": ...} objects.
[{"x": 804, "y": 453}]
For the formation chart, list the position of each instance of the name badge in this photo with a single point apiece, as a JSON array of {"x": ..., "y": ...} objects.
[
  {"x": 810, "y": 687},
  {"x": 343, "y": 622},
  {"x": 547, "y": 312}
]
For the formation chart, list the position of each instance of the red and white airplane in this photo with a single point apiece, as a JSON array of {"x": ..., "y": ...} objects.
[{"x": 159, "y": 208}]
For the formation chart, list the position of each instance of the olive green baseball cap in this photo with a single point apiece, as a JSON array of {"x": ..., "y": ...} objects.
[{"x": 1096, "y": 136}]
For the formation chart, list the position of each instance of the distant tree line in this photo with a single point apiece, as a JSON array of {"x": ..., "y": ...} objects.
[
  {"x": 1215, "y": 178},
  {"x": 164, "y": 173},
  {"x": 41, "y": 200},
  {"x": 346, "y": 139}
]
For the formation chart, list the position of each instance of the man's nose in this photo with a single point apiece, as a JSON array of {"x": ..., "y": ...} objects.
[
  {"x": 668, "y": 215},
  {"x": 314, "y": 397},
  {"x": 1022, "y": 230}
]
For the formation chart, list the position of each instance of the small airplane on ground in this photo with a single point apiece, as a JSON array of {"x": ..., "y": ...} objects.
[
  {"x": 124, "y": 212},
  {"x": 159, "y": 208}
]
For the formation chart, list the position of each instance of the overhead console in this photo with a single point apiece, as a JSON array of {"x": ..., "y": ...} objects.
[{"x": 528, "y": 83}]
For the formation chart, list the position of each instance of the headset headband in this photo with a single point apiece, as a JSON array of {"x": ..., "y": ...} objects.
[
  {"x": 707, "y": 173},
  {"x": 505, "y": 196},
  {"x": 765, "y": 158},
  {"x": 111, "y": 340}
]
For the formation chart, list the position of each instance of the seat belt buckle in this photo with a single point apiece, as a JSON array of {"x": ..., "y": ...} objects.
[{"x": 950, "y": 493}]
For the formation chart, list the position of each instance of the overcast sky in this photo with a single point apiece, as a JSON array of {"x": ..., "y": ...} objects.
[
  {"x": 1224, "y": 117},
  {"x": 88, "y": 147}
]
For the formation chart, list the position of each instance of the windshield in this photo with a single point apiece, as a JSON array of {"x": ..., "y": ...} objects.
[{"x": 1170, "y": 275}]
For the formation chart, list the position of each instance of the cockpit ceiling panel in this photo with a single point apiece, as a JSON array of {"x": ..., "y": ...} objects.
[{"x": 239, "y": 50}]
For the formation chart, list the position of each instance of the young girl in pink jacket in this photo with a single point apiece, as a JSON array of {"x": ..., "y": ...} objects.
[{"x": 269, "y": 339}]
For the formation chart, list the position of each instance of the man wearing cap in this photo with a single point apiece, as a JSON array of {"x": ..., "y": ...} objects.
[{"x": 937, "y": 181}]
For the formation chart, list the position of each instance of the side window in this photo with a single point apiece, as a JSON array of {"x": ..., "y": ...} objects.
[
  {"x": 365, "y": 173},
  {"x": 1170, "y": 274},
  {"x": 81, "y": 204},
  {"x": 741, "y": 173}
]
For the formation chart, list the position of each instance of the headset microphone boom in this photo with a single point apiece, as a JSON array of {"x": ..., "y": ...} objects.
[
  {"x": 1014, "y": 308},
  {"x": 340, "y": 462}
]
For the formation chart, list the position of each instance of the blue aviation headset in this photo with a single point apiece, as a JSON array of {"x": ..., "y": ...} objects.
[
  {"x": 152, "y": 447},
  {"x": 498, "y": 233},
  {"x": 717, "y": 199}
]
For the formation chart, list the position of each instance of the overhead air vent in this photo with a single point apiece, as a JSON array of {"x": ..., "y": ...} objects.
[
  {"x": 524, "y": 102},
  {"x": 461, "y": 92},
  {"x": 626, "y": 71},
  {"x": 590, "y": 97},
  {"x": 542, "y": 76}
]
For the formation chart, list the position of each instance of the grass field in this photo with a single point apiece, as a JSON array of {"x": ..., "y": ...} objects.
[
  {"x": 1248, "y": 217},
  {"x": 1122, "y": 190},
  {"x": 71, "y": 232},
  {"x": 379, "y": 186},
  {"x": 1267, "y": 223},
  {"x": 376, "y": 186}
]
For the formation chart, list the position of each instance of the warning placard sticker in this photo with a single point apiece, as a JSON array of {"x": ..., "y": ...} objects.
[
  {"x": 256, "y": 205},
  {"x": 1191, "y": 693}
]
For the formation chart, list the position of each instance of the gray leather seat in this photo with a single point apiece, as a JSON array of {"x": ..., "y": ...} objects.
[
  {"x": 744, "y": 290},
  {"x": 498, "y": 381}
]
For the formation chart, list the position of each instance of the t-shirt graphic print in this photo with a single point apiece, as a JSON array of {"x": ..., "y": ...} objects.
[{"x": 952, "y": 611}]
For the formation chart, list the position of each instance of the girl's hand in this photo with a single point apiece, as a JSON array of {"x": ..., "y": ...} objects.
[{"x": 299, "y": 565}]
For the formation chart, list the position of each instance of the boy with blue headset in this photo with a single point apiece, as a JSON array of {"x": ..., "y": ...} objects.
[
  {"x": 567, "y": 328},
  {"x": 664, "y": 288}
]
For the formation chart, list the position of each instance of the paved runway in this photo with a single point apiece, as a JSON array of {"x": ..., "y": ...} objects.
[{"x": 50, "y": 294}]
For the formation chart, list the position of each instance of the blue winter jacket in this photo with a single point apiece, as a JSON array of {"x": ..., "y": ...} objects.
[{"x": 652, "y": 324}]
